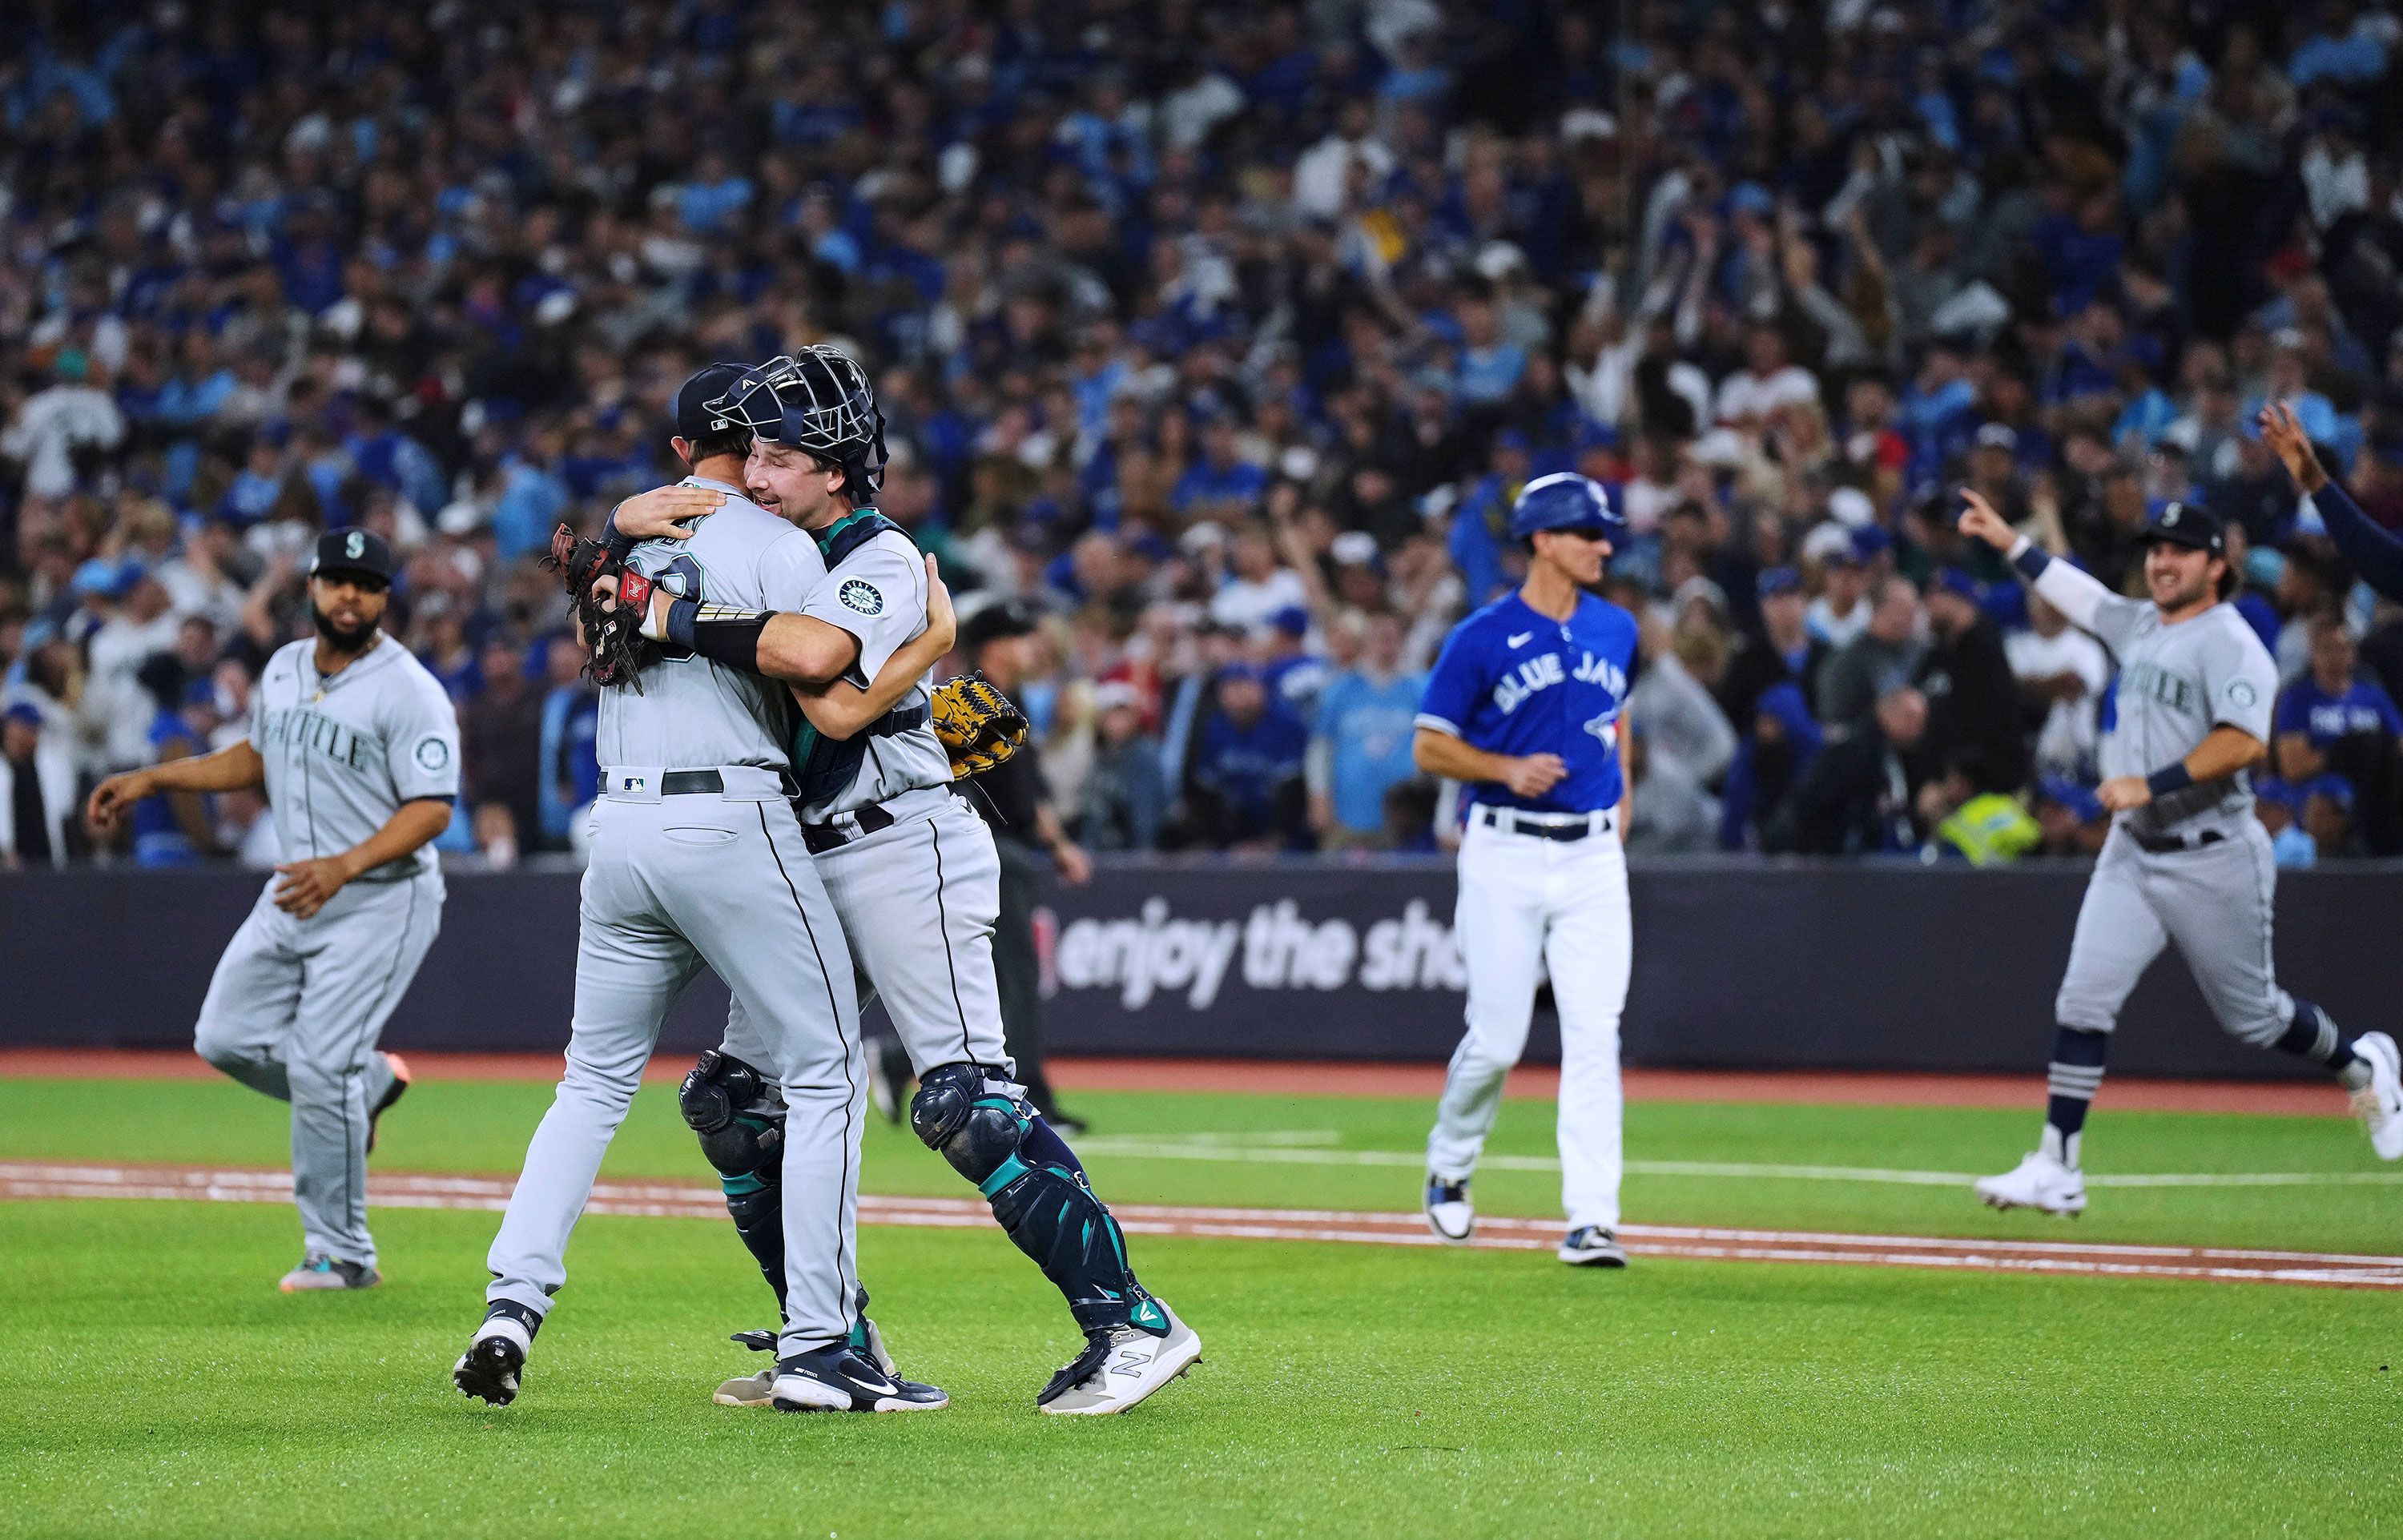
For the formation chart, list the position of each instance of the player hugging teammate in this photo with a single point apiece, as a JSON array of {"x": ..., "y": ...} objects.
[{"x": 908, "y": 872}]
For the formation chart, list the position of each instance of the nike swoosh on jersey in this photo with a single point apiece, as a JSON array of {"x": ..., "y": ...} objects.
[{"x": 1521, "y": 639}]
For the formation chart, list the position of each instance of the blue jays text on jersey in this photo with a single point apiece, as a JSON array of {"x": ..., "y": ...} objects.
[{"x": 1512, "y": 681}]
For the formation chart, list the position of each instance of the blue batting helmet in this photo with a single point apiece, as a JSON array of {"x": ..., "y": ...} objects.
[{"x": 1566, "y": 501}]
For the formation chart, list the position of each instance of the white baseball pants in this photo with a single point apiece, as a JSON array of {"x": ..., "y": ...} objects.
[{"x": 1528, "y": 906}]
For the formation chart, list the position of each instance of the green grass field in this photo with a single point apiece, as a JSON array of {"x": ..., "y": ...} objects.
[{"x": 152, "y": 1381}]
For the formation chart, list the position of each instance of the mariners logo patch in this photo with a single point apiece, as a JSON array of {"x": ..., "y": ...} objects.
[
  {"x": 2240, "y": 693},
  {"x": 861, "y": 595},
  {"x": 433, "y": 755}
]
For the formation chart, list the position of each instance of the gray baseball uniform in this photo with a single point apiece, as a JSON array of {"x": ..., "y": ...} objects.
[
  {"x": 2193, "y": 867},
  {"x": 295, "y": 1005},
  {"x": 934, "y": 874},
  {"x": 698, "y": 857}
]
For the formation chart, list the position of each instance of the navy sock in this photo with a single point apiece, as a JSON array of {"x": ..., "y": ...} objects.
[
  {"x": 2313, "y": 1035},
  {"x": 1042, "y": 1146},
  {"x": 2071, "y": 1080}
]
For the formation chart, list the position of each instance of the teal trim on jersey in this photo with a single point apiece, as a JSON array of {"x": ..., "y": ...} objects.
[
  {"x": 1009, "y": 1170},
  {"x": 851, "y": 531}
]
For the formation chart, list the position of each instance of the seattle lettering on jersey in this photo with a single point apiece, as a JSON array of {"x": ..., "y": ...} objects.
[
  {"x": 2153, "y": 682},
  {"x": 1540, "y": 673},
  {"x": 297, "y": 727}
]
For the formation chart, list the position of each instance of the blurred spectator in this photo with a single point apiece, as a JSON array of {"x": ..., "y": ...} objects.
[
  {"x": 1884, "y": 655},
  {"x": 1784, "y": 652},
  {"x": 1673, "y": 705},
  {"x": 2273, "y": 804},
  {"x": 501, "y": 735},
  {"x": 1245, "y": 790},
  {"x": 1124, "y": 799},
  {"x": 39, "y": 819},
  {"x": 1972, "y": 814},
  {"x": 1669, "y": 813},
  {"x": 1360, "y": 750},
  {"x": 2332, "y": 722},
  {"x": 2061, "y": 672},
  {"x": 1973, "y": 702},
  {"x": 571, "y": 722},
  {"x": 1856, "y": 798}
]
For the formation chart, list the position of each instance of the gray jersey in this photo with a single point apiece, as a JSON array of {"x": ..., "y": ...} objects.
[
  {"x": 2177, "y": 682},
  {"x": 878, "y": 593},
  {"x": 692, "y": 714},
  {"x": 343, "y": 753}
]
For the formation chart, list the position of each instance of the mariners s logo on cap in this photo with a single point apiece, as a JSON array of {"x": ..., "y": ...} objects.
[
  {"x": 861, "y": 595},
  {"x": 356, "y": 547}
]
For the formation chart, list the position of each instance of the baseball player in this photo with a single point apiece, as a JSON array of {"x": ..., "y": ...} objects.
[
  {"x": 357, "y": 747},
  {"x": 696, "y": 858},
  {"x": 1526, "y": 705},
  {"x": 2185, "y": 860},
  {"x": 913, "y": 873}
]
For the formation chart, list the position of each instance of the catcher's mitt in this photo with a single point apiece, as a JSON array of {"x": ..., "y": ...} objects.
[
  {"x": 977, "y": 723},
  {"x": 614, "y": 631}
]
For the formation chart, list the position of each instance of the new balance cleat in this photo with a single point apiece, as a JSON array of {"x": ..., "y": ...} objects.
[
  {"x": 836, "y": 1379},
  {"x": 2380, "y": 1103},
  {"x": 1592, "y": 1246},
  {"x": 318, "y": 1270},
  {"x": 1449, "y": 1212},
  {"x": 1124, "y": 1366},
  {"x": 400, "y": 1079},
  {"x": 2039, "y": 1181},
  {"x": 494, "y": 1361}
]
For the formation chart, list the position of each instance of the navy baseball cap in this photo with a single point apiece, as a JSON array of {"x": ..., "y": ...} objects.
[
  {"x": 2187, "y": 524},
  {"x": 1566, "y": 501},
  {"x": 362, "y": 552},
  {"x": 708, "y": 383},
  {"x": 1777, "y": 580},
  {"x": 1954, "y": 580}
]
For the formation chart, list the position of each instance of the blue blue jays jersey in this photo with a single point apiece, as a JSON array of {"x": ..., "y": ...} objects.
[{"x": 1510, "y": 681}]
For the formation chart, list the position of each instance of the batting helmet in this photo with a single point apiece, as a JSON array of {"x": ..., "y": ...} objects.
[
  {"x": 816, "y": 400},
  {"x": 1566, "y": 501}
]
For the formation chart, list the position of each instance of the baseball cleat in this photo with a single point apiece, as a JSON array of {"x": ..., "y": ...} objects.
[
  {"x": 491, "y": 1368},
  {"x": 1592, "y": 1246},
  {"x": 757, "y": 1390},
  {"x": 1449, "y": 1212},
  {"x": 2380, "y": 1103},
  {"x": 751, "y": 1389},
  {"x": 318, "y": 1270},
  {"x": 836, "y": 1379},
  {"x": 1122, "y": 1366},
  {"x": 400, "y": 1079},
  {"x": 2037, "y": 1182}
]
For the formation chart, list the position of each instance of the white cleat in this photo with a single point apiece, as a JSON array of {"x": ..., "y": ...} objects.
[
  {"x": 1449, "y": 1212},
  {"x": 2037, "y": 1182},
  {"x": 1120, "y": 1367},
  {"x": 2381, "y": 1101}
]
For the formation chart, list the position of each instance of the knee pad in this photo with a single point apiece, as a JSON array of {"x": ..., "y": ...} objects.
[
  {"x": 737, "y": 1114},
  {"x": 978, "y": 1131}
]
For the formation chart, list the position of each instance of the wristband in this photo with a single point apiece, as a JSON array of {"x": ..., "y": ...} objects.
[
  {"x": 2168, "y": 778},
  {"x": 719, "y": 632},
  {"x": 2030, "y": 559},
  {"x": 634, "y": 593},
  {"x": 616, "y": 544}
]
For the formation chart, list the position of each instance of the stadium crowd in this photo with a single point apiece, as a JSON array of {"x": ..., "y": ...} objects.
[{"x": 1215, "y": 339}]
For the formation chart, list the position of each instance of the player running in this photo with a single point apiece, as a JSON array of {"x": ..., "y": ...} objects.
[
  {"x": 698, "y": 858},
  {"x": 357, "y": 747},
  {"x": 914, "y": 874},
  {"x": 2185, "y": 861},
  {"x": 1526, "y": 705}
]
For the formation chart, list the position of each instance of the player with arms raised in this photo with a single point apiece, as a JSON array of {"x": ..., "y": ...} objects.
[{"x": 1527, "y": 704}]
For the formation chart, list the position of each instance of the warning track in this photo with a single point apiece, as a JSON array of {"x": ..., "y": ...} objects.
[{"x": 23, "y": 1179}]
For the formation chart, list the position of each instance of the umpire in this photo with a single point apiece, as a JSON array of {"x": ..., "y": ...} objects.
[{"x": 1015, "y": 802}]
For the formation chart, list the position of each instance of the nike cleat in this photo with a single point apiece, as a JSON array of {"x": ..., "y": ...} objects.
[
  {"x": 2037, "y": 1182},
  {"x": 318, "y": 1270},
  {"x": 1449, "y": 1212},
  {"x": 836, "y": 1379},
  {"x": 1592, "y": 1246},
  {"x": 494, "y": 1361},
  {"x": 2380, "y": 1103}
]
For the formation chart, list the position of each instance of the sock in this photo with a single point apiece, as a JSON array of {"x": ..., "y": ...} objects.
[
  {"x": 2071, "y": 1080},
  {"x": 2313, "y": 1035}
]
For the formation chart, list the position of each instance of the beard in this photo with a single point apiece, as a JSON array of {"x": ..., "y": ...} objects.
[{"x": 341, "y": 638}]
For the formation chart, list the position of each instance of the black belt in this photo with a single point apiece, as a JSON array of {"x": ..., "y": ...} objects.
[
  {"x": 2171, "y": 844},
  {"x": 822, "y": 838},
  {"x": 705, "y": 782},
  {"x": 1512, "y": 821}
]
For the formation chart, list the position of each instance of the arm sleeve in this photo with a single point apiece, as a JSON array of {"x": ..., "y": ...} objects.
[
  {"x": 421, "y": 744},
  {"x": 878, "y": 597},
  {"x": 2375, "y": 553},
  {"x": 1452, "y": 687},
  {"x": 2241, "y": 679},
  {"x": 2088, "y": 604}
]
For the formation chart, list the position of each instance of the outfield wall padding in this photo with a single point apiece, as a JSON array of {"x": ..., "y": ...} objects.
[{"x": 1739, "y": 964}]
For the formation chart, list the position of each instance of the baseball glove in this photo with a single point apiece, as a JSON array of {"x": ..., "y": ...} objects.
[
  {"x": 613, "y": 629},
  {"x": 977, "y": 723}
]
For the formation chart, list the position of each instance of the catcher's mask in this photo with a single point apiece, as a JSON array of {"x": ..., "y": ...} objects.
[{"x": 817, "y": 402}]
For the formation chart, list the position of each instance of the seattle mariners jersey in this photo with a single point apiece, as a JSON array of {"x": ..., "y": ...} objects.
[
  {"x": 2177, "y": 682},
  {"x": 877, "y": 591},
  {"x": 343, "y": 753},
  {"x": 1513, "y": 682},
  {"x": 692, "y": 714}
]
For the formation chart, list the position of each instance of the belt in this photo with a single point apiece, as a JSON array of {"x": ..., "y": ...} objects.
[
  {"x": 736, "y": 782},
  {"x": 822, "y": 838},
  {"x": 2175, "y": 845},
  {"x": 691, "y": 783},
  {"x": 1547, "y": 826}
]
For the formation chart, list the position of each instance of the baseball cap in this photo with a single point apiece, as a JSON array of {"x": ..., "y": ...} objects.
[
  {"x": 2187, "y": 524},
  {"x": 1292, "y": 619},
  {"x": 25, "y": 713},
  {"x": 708, "y": 383},
  {"x": 1954, "y": 580},
  {"x": 1110, "y": 694},
  {"x": 1776, "y": 581},
  {"x": 1003, "y": 618},
  {"x": 1353, "y": 548},
  {"x": 1998, "y": 436},
  {"x": 351, "y": 550}
]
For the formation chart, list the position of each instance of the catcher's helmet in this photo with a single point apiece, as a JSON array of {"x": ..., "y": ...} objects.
[
  {"x": 1566, "y": 501},
  {"x": 816, "y": 400}
]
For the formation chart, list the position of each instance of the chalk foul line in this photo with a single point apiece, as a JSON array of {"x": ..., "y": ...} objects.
[{"x": 693, "y": 1201}]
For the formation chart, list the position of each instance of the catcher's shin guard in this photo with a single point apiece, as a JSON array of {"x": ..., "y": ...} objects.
[
  {"x": 1036, "y": 1188},
  {"x": 741, "y": 1122}
]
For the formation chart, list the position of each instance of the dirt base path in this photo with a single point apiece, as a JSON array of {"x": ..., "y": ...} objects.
[
  {"x": 1307, "y": 1077},
  {"x": 693, "y": 1201}
]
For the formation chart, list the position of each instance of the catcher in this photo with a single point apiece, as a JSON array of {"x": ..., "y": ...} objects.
[{"x": 912, "y": 870}]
